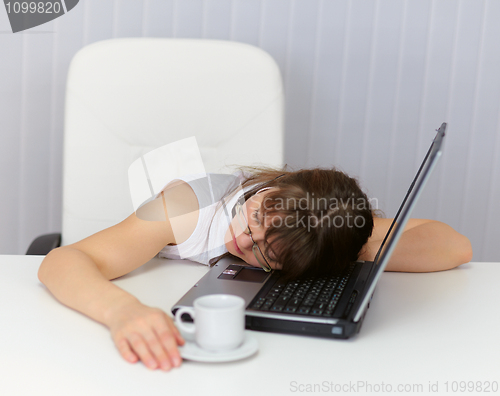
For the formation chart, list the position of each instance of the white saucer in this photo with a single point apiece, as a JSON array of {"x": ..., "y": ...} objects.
[{"x": 191, "y": 351}]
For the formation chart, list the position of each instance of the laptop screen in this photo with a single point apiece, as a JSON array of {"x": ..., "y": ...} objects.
[
  {"x": 402, "y": 215},
  {"x": 434, "y": 150}
]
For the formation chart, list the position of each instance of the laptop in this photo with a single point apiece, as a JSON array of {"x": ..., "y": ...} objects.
[{"x": 331, "y": 307}]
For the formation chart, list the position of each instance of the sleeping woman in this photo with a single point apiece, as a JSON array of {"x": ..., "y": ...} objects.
[{"x": 304, "y": 222}]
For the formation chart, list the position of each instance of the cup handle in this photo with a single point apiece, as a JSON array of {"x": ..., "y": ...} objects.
[{"x": 183, "y": 327}]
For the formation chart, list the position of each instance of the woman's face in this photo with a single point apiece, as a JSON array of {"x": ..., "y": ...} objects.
[{"x": 239, "y": 243}]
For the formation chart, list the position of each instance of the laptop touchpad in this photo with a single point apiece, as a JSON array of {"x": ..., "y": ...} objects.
[{"x": 245, "y": 274}]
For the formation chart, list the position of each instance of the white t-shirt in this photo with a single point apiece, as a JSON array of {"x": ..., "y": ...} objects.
[{"x": 217, "y": 195}]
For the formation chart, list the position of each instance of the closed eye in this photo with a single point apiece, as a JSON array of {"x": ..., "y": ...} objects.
[
  {"x": 255, "y": 216},
  {"x": 270, "y": 259}
]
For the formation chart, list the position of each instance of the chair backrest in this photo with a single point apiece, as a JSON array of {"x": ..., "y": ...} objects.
[{"x": 126, "y": 97}]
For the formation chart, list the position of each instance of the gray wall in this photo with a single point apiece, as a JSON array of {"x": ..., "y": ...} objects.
[{"x": 366, "y": 81}]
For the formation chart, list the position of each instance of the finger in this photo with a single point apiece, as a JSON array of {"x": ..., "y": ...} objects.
[
  {"x": 169, "y": 337},
  {"x": 124, "y": 349},
  {"x": 169, "y": 343},
  {"x": 156, "y": 347},
  {"x": 140, "y": 347},
  {"x": 177, "y": 334}
]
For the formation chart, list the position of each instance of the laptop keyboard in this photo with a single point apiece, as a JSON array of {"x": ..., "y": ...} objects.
[{"x": 309, "y": 296}]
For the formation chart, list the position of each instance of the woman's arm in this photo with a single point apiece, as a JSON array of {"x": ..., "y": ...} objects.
[
  {"x": 78, "y": 276},
  {"x": 424, "y": 246}
]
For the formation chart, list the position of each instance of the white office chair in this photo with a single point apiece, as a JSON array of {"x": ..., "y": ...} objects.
[{"x": 126, "y": 97}]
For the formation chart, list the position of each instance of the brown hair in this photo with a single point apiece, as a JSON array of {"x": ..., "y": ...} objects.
[{"x": 319, "y": 219}]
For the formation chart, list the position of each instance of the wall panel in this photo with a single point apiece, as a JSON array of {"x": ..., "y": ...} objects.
[{"x": 366, "y": 84}]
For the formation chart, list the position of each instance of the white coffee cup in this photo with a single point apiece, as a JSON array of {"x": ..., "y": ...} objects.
[{"x": 219, "y": 321}]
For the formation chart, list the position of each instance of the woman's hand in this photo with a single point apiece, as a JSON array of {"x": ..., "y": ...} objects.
[
  {"x": 147, "y": 334},
  {"x": 79, "y": 275}
]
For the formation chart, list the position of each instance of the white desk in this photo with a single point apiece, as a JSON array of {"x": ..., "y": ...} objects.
[{"x": 421, "y": 329}]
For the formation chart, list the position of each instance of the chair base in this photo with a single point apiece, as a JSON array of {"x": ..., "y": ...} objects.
[{"x": 44, "y": 244}]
